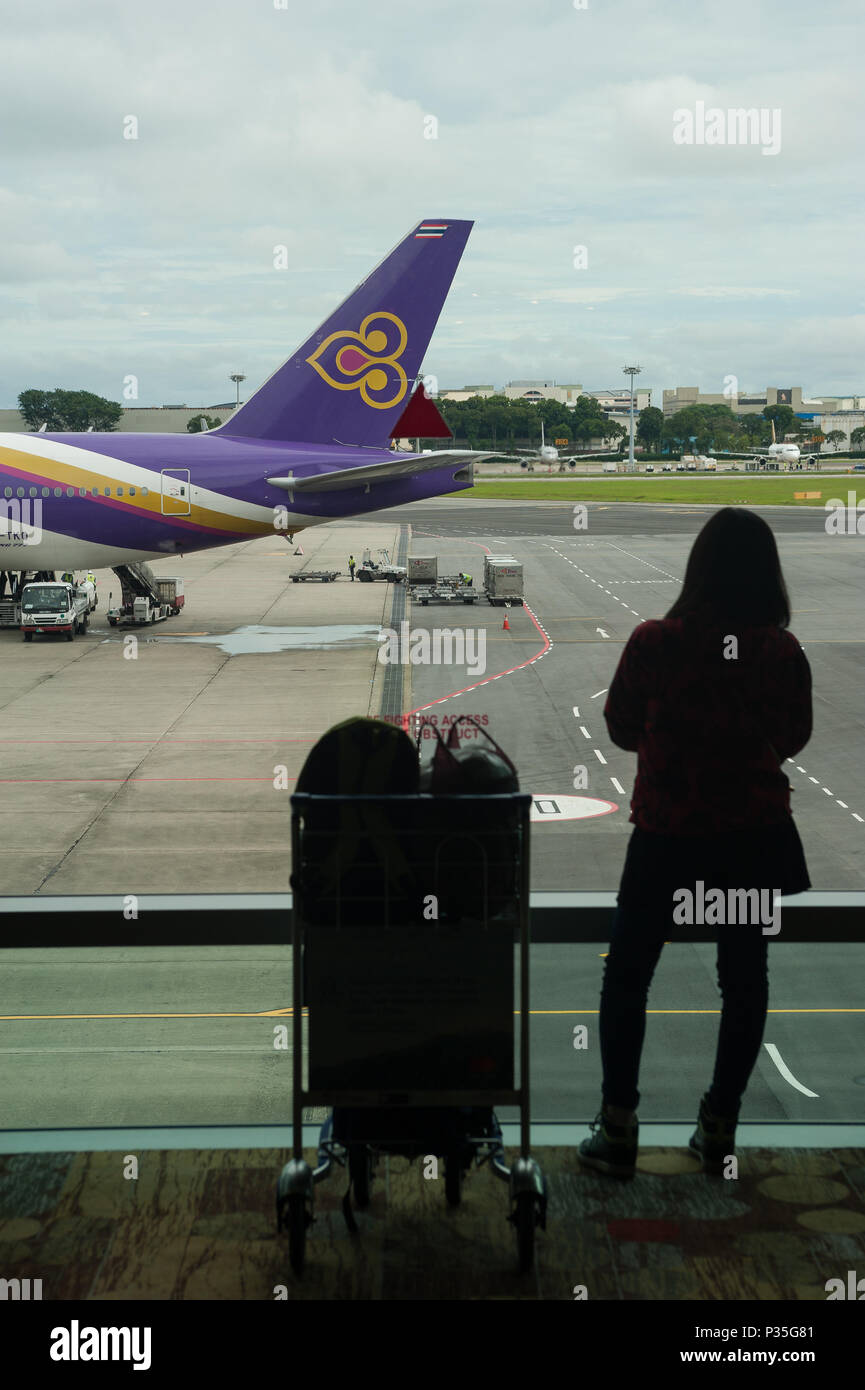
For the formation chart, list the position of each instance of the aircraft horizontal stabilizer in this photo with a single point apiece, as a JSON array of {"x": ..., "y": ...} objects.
[{"x": 387, "y": 472}]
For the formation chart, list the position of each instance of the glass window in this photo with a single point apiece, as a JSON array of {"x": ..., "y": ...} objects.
[
  {"x": 145, "y": 492},
  {"x": 7, "y": 492},
  {"x": 107, "y": 491},
  {"x": 58, "y": 492},
  {"x": 46, "y": 492},
  {"x": 34, "y": 492},
  {"x": 20, "y": 491},
  {"x": 82, "y": 492},
  {"x": 95, "y": 491},
  {"x": 132, "y": 492},
  {"x": 120, "y": 492},
  {"x": 70, "y": 492}
]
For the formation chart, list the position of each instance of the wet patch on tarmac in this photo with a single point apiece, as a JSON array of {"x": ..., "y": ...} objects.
[{"x": 256, "y": 639}]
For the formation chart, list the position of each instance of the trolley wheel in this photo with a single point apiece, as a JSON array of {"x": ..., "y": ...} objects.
[
  {"x": 297, "y": 1223},
  {"x": 70, "y": 636},
  {"x": 453, "y": 1180},
  {"x": 28, "y": 637},
  {"x": 359, "y": 1165},
  {"x": 112, "y": 622},
  {"x": 524, "y": 1220}
]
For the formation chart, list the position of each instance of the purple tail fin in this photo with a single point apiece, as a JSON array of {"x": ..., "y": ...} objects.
[{"x": 350, "y": 382}]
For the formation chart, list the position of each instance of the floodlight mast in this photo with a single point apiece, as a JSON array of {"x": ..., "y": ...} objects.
[{"x": 631, "y": 372}]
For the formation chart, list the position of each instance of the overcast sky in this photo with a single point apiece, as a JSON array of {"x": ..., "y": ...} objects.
[{"x": 304, "y": 126}]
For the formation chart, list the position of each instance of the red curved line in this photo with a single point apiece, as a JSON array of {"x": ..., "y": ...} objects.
[{"x": 507, "y": 672}]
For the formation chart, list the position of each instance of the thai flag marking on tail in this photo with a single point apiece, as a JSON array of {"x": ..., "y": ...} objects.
[{"x": 431, "y": 229}]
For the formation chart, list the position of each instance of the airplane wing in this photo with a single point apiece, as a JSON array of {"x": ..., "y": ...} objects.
[{"x": 387, "y": 472}]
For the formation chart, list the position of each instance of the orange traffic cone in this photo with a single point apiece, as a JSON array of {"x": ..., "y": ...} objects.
[
  {"x": 506, "y": 627},
  {"x": 299, "y": 550}
]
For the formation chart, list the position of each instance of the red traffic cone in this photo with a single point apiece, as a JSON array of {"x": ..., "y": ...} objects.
[
  {"x": 506, "y": 627},
  {"x": 299, "y": 550}
]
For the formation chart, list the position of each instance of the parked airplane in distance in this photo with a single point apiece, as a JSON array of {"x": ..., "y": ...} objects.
[
  {"x": 547, "y": 453},
  {"x": 309, "y": 446},
  {"x": 783, "y": 456}
]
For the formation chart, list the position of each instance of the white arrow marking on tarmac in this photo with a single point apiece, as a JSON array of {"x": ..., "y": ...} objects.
[
  {"x": 601, "y": 631},
  {"x": 786, "y": 1072}
]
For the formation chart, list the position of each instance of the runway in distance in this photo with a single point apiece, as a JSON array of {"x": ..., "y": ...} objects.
[{"x": 311, "y": 445}]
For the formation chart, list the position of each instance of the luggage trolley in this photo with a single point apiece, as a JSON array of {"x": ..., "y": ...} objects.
[{"x": 405, "y": 910}]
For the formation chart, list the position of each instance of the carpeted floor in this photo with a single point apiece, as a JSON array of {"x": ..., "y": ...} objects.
[{"x": 201, "y": 1225}]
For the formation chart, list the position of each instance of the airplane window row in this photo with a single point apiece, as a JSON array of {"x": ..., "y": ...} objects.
[{"x": 71, "y": 492}]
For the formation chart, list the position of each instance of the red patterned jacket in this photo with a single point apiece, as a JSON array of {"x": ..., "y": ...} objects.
[{"x": 710, "y": 732}]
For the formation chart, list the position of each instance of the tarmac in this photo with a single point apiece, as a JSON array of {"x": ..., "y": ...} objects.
[
  {"x": 155, "y": 773},
  {"x": 141, "y": 760}
]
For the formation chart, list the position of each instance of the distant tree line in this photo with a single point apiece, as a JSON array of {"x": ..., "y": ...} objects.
[
  {"x": 496, "y": 422},
  {"x": 68, "y": 410}
]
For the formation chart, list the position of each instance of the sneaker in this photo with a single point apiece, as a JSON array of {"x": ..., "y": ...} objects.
[
  {"x": 714, "y": 1139},
  {"x": 612, "y": 1148}
]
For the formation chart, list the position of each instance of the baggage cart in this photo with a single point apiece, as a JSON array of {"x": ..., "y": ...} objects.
[{"x": 404, "y": 914}]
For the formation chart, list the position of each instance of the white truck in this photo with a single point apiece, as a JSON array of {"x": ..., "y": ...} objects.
[
  {"x": 503, "y": 581},
  {"x": 53, "y": 607}
]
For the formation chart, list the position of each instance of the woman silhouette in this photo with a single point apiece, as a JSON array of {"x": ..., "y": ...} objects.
[{"x": 713, "y": 698}]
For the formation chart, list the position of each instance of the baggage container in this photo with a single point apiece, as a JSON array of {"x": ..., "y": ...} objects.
[
  {"x": 423, "y": 569},
  {"x": 504, "y": 582}
]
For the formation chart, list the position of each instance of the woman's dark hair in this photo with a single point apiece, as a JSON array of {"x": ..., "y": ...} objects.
[{"x": 734, "y": 573}]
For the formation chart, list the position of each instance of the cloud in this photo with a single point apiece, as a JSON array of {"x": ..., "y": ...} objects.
[{"x": 306, "y": 129}]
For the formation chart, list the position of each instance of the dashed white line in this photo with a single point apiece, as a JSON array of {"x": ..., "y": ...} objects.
[
  {"x": 584, "y": 731},
  {"x": 786, "y": 1072},
  {"x": 576, "y": 711},
  {"x": 599, "y": 755},
  {"x": 618, "y": 786},
  {"x": 597, "y": 693}
]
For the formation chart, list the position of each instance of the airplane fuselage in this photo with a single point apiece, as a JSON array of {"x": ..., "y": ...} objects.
[{"x": 72, "y": 500}]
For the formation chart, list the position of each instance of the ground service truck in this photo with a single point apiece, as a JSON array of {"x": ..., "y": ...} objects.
[{"x": 53, "y": 607}]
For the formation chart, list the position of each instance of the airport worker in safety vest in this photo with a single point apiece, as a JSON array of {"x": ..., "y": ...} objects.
[{"x": 351, "y": 565}]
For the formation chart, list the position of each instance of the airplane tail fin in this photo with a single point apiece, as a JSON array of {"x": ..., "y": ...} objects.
[{"x": 351, "y": 380}]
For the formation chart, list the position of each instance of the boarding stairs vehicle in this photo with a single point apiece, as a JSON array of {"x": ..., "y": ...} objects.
[{"x": 144, "y": 598}]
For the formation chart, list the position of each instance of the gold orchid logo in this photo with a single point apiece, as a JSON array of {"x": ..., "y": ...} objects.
[{"x": 367, "y": 360}]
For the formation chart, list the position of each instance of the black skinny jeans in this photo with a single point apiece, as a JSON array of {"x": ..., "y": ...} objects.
[{"x": 636, "y": 942}]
